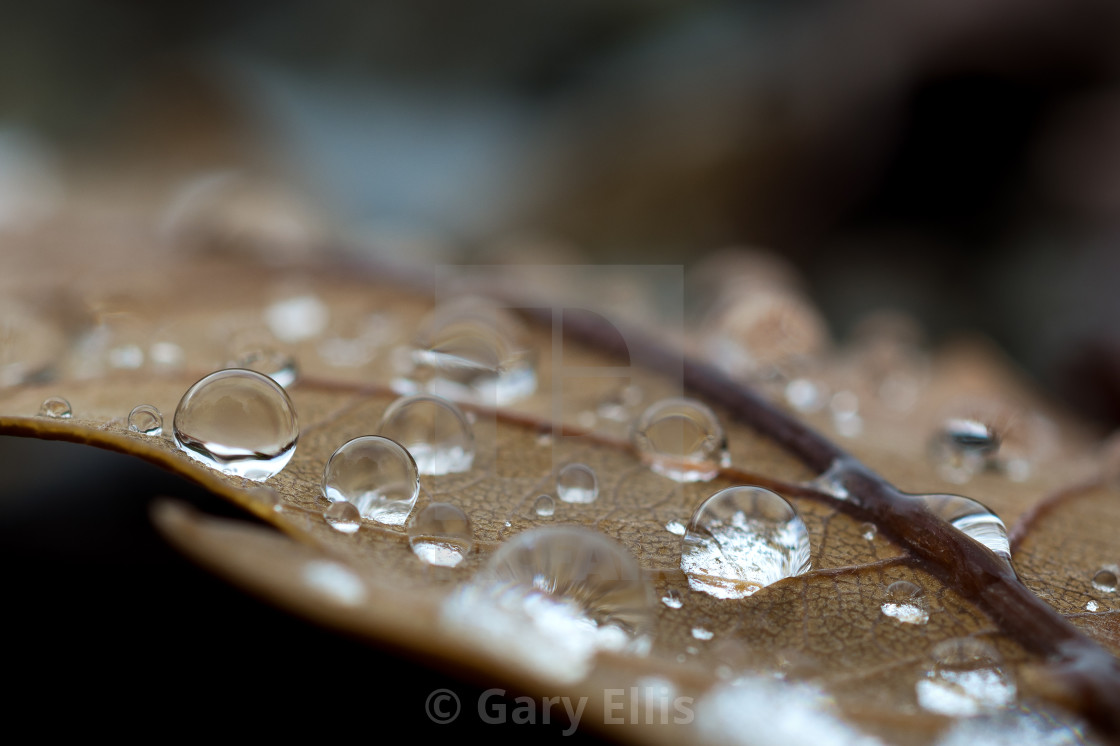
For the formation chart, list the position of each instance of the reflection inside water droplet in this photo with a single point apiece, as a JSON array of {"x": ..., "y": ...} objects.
[
  {"x": 672, "y": 599},
  {"x": 681, "y": 439},
  {"x": 869, "y": 531},
  {"x": 550, "y": 598},
  {"x": 576, "y": 483},
  {"x": 742, "y": 539},
  {"x": 544, "y": 506},
  {"x": 343, "y": 517},
  {"x": 279, "y": 366},
  {"x": 1105, "y": 579},
  {"x": 377, "y": 475},
  {"x": 56, "y": 407},
  {"x": 441, "y": 534},
  {"x": 675, "y": 527},
  {"x": 700, "y": 633},
  {"x": 434, "y": 431},
  {"x": 962, "y": 447},
  {"x": 146, "y": 420},
  {"x": 973, "y": 519},
  {"x": 238, "y": 422},
  {"x": 967, "y": 678},
  {"x": 904, "y": 602}
]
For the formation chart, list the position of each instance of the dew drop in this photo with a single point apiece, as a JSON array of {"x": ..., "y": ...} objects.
[
  {"x": 962, "y": 447},
  {"x": 805, "y": 395},
  {"x": 974, "y": 520},
  {"x": 742, "y": 539},
  {"x": 434, "y": 431},
  {"x": 377, "y": 475},
  {"x": 869, "y": 531},
  {"x": 343, "y": 517},
  {"x": 681, "y": 439},
  {"x": 279, "y": 366},
  {"x": 1092, "y": 606},
  {"x": 967, "y": 679},
  {"x": 904, "y": 602},
  {"x": 297, "y": 318},
  {"x": 1105, "y": 579},
  {"x": 672, "y": 599},
  {"x": 146, "y": 420},
  {"x": 551, "y": 598},
  {"x": 675, "y": 527},
  {"x": 700, "y": 633},
  {"x": 471, "y": 349},
  {"x": 56, "y": 407},
  {"x": 544, "y": 506},
  {"x": 441, "y": 534},
  {"x": 576, "y": 483},
  {"x": 238, "y": 422}
]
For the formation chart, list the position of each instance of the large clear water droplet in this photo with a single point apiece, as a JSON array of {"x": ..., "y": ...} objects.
[
  {"x": 576, "y": 483},
  {"x": 146, "y": 420},
  {"x": 1104, "y": 579},
  {"x": 470, "y": 349},
  {"x": 434, "y": 431},
  {"x": 343, "y": 517},
  {"x": 238, "y": 422},
  {"x": 681, "y": 439},
  {"x": 742, "y": 539},
  {"x": 973, "y": 519},
  {"x": 544, "y": 506},
  {"x": 377, "y": 475},
  {"x": 904, "y": 602},
  {"x": 56, "y": 407},
  {"x": 441, "y": 534},
  {"x": 279, "y": 366},
  {"x": 551, "y": 598},
  {"x": 962, "y": 447},
  {"x": 967, "y": 679}
]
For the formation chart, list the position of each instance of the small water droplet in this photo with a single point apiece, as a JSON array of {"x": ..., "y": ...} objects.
[
  {"x": 1091, "y": 606},
  {"x": 805, "y": 395},
  {"x": 167, "y": 355},
  {"x": 742, "y": 539},
  {"x": 544, "y": 439},
  {"x": 967, "y": 678},
  {"x": 279, "y": 366},
  {"x": 869, "y": 531},
  {"x": 962, "y": 447},
  {"x": 238, "y": 422},
  {"x": 681, "y": 439},
  {"x": 544, "y": 506},
  {"x": 672, "y": 599},
  {"x": 297, "y": 318},
  {"x": 343, "y": 517},
  {"x": 1105, "y": 579},
  {"x": 905, "y": 603},
  {"x": 441, "y": 534},
  {"x": 377, "y": 475},
  {"x": 832, "y": 480},
  {"x": 56, "y": 407},
  {"x": 337, "y": 582},
  {"x": 701, "y": 634},
  {"x": 434, "y": 431},
  {"x": 267, "y": 496},
  {"x": 973, "y": 519},
  {"x": 549, "y": 599},
  {"x": 675, "y": 527},
  {"x": 471, "y": 349},
  {"x": 846, "y": 418},
  {"x": 576, "y": 483},
  {"x": 146, "y": 420},
  {"x": 764, "y": 332}
]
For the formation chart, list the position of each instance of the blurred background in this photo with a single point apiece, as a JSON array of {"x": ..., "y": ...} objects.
[{"x": 958, "y": 160}]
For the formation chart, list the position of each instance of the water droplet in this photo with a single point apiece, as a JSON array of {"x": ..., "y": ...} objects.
[
  {"x": 675, "y": 527},
  {"x": 764, "y": 332},
  {"x": 238, "y": 422},
  {"x": 146, "y": 420},
  {"x": 434, "y": 431},
  {"x": 869, "y": 531},
  {"x": 962, "y": 447},
  {"x": 681, "y": 439},
  {"x": 441, "y": 534},
  {"x": 974, "y": 520},
  {"x": 805, "y": 395},
  {"x": 297, "y": 318},
  {"x": 845, "y": 414},
  {"x": 167, "y": 355},
  {"x": 702, "y": 634},
  {"x": 1105, "y": 579},
  {"x": 343, "y": 517},
  {"x": 279, "y": 366},
  {"x": 905, "y": 603},
  {"x": 470, "y": 349},
  {"x": 832, "y": 480},
  {"x": 967, "y": 679},
  {"x": 672, "y": 599},
  {"x": 377, "y": 475},
  {"x": 337, "y": 582},
  {"x": 267, "y": 496},
  {"x": 56, "y": 407},
  {"x": 576, "y": 483},
  {"x": 1091, "y": 606},
  {"x": 742, "y": 539},
  {"x": 550, "y": 598},
  {"x": 544, "y": 506}
]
